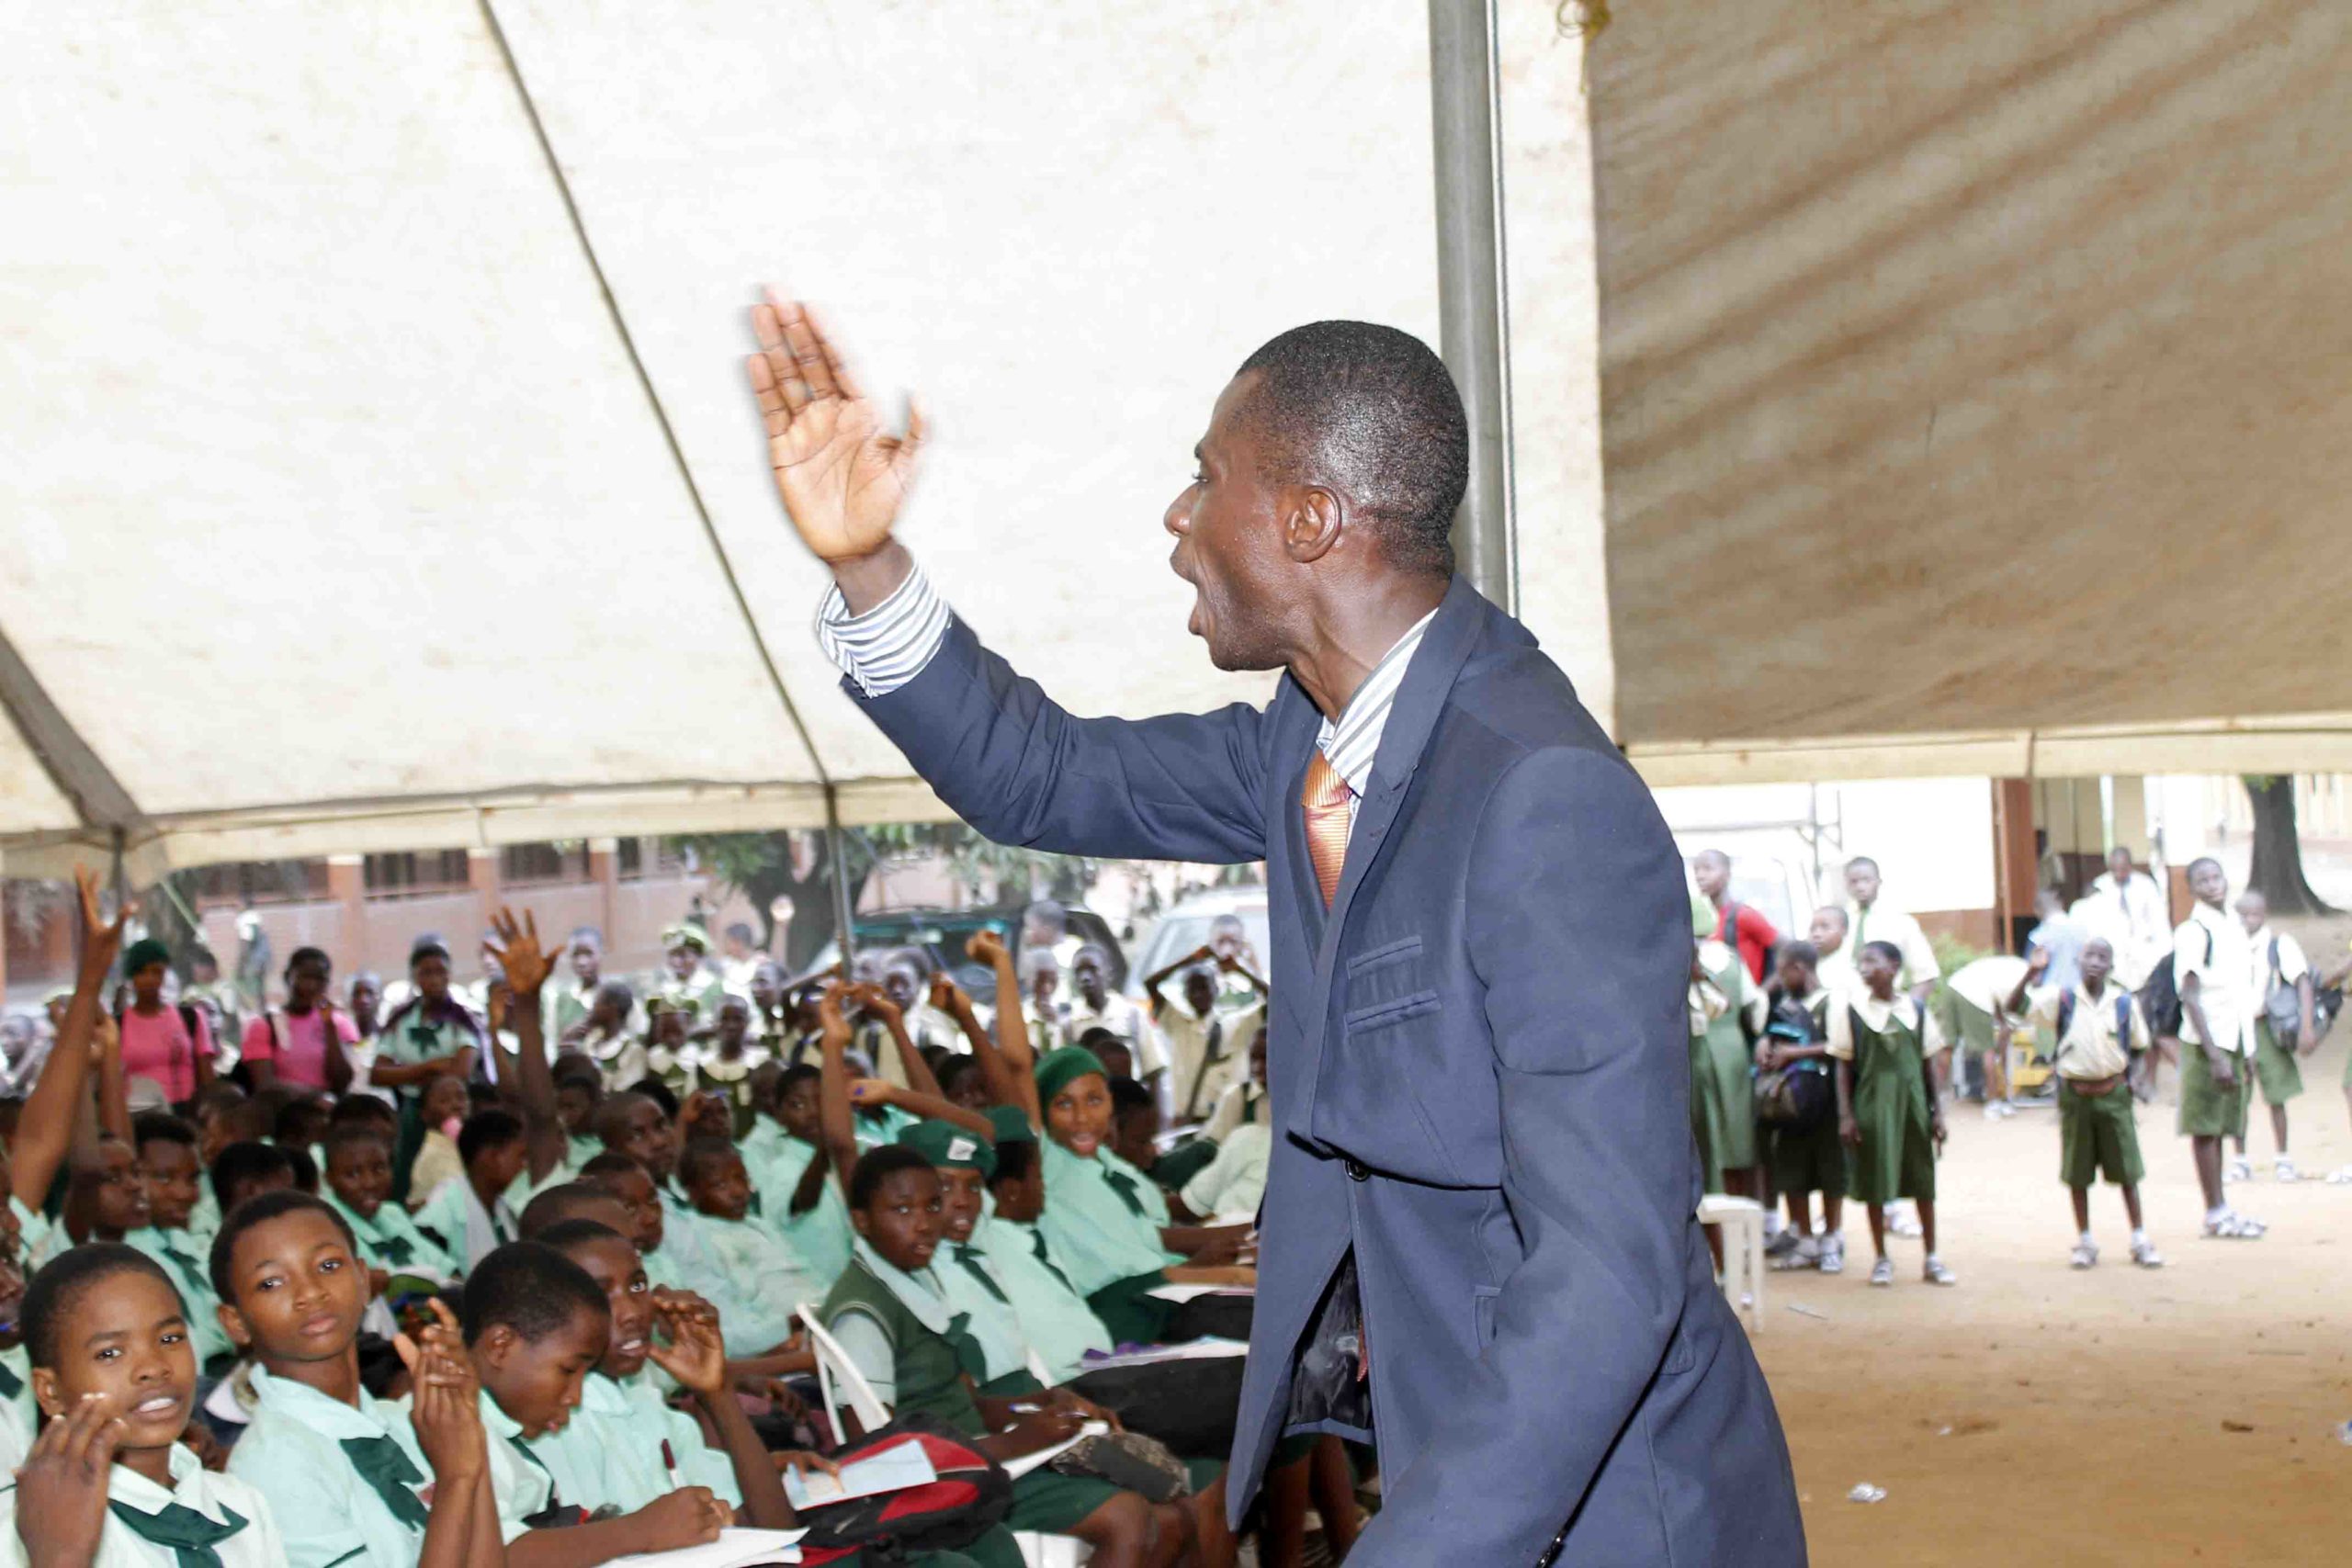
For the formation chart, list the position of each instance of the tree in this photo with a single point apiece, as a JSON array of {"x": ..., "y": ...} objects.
[
  {"x": 798, "y": 865},
  {"x": 2277, "y": 869}
]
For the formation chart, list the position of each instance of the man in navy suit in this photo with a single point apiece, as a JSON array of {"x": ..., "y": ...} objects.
[{"x": 1478, "y": 1245}]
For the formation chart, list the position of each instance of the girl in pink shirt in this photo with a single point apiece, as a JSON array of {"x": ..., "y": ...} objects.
[
  {"x": 289, "y": 1045},
  {"x": 172, "y": 1045}
]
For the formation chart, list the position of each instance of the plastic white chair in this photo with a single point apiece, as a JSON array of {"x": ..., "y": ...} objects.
[
  {"x": 834, "y": 1368},
  {"x": 1742, "y": 1220}
]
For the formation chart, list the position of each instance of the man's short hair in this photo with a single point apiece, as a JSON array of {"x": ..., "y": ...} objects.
[
  {"x": 1865, "y": 860},
  {"x": 612, "y": 1163},
  {"x": 1800, "y": 951},
  {"x": 562, "y": 1202},
  {"x": 242, "y": 1164},
  {"x": 1371, "y": 411},
  {"x": 365, "y": 1110},
  {"x": 530, "y": 1287},
  {"x": 701, "y": 1154},
  {"x": 486, "y": 1130},
  {"x": 161, "y": 1127},
  {"x": 564, "y": 1235}
]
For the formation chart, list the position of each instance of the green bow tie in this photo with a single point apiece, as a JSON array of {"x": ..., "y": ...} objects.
[
  {"x": 968, "y": 1354},
  {"x": 1124, "y": 1186},
  {"x": 11, "y": 1384},
  {"x": 186, "y": 1263},
  {"x": 384, "y": 1466},
  {"x": 424, "y": 1033},
  {"x": 1037, "y": 1245},
  {"x": 970, "y": 1258},
  {"x": 188, "y": 1533},
  {"x": 396, "y": 1250}
]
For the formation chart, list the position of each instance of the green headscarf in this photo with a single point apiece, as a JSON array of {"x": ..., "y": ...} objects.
[
  {"x": 147, "y": 950},
  {"x": 1012, "y": 1124},
  {"x": 945, "y": 1143},
  {"x": 1061, "y": 1068},
  {"x": 681, "y": 936}
]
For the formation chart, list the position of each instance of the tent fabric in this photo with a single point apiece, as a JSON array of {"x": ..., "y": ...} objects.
[
  {"x": 1876, "y": 383},
  {"x": 1974, "y": 385}
]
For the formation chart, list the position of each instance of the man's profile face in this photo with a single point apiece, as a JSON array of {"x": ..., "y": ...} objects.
[
  {"x": 2118, "y": 863},
  {"x": 1712, "y": 873},
  {"x": 1828, "y": 930},
  {"x": 1228, "y": 526},
  {"x": 2208, "y": 882}
]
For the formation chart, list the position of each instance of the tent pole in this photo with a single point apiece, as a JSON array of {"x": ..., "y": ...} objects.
[
  {"x": 118, "y": 876},
  {"x": 1472, "y": 321},
  {"x": 836, "y": 847}
]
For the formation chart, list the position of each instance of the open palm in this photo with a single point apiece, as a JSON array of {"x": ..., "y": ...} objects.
[{"x": 843, "y": 477}]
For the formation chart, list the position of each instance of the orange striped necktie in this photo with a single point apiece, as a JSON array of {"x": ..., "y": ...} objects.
[{"x": 1325, "y": 800}]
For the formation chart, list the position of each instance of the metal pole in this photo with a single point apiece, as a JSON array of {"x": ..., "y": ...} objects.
[
  {"x": 1472, "y": 311},
  {"x": 837, "y": 846}
]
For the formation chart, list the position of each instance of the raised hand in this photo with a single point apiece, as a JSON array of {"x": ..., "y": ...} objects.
[
  {"x": 832, "y": 1023},
  {"x": 62, "y": 1490},
  {"x": 869, "y": 1091},
  {"x": 946, "y": 994},
  {"x": 843, "y": 477},
  {"x": 518, "y": 953},
  {"x": 875, "y": 1000},
  {"x": 695, "y": 1354},
  {"x": 101, "y": 937},
  {"x": 987, "y": 947}
]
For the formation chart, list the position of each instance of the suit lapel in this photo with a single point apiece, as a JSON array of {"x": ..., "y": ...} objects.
[{"x": 1412, "y": 720}]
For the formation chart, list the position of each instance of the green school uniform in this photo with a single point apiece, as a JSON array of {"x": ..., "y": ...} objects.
[
  {"x": 966, "y": 1276},
  {"x": 1054, "y": 1317},
  {"x": 467, "y": 1229},
  {"x": 147, "y": 1527},
  {"x": 902, "y": 1335},
  {"x": 610, "y": 1453},
  {"x": 1810, "y": 1160},
  {"x": 1723, "y": 1094},
  {"x": 705, "y": 992},
  {"x": 20, "y": 1411},
  {"x": 1102, "y": 1217},
  {"x": 746, "y": 1270},
  {"x": 2097, "y": 1135},
  {"x": 695, "y": 1068},
  {"x": 33, "y": 1229},
  {"x": 175, "y": 1250},
  {"x": 822, "y": 1236},
  {"x": 389, "y": 1240},
  {"x": 416, "y": 1038},
  {"x": 1888, "y": 1045}
]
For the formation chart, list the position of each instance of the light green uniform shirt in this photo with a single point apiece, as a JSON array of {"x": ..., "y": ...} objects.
[
  {"x": 222, "y": 1499},
  {"x": 467, "y": 1229},
  {"x": 976, "y": 1291},
  {"x": 204, "y": 1218},
  {"x": 1055, "y": 1318},
  {"x": 748, "y": 1272},
  {"x": 32, "y": 1233},
  {"x": 821, "y": 1237},
  {"x": 389, "y": 1240},
  {"x": 190, "y": 1271},
  {"x": 526, "y": 1488},
  {"x": 867, "y": 1344},
  {"x": 1102, "y": 1217},
  {"x": 20, "y": 1411},
  {"x": 327, "y": 1513},
  {"x": 413, "y": 1040},
  {"x": 609, "y": 1453}
]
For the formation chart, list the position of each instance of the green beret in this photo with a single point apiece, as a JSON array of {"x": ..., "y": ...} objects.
[
  {"x": 944, "y": 1142},
  {"x": 1061, "y": 1068},
  {"x": 147, "y": 950},
  {"x": 681, "y": 936},
  {"x": 1012, "y": 1124}
]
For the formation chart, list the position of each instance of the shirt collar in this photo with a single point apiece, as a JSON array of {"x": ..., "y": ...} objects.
[
  {"x": 500, "y": 1425},
  {"x": 919, "y": 1293},
  {"x": 129, "y": 1487},
  {"x": 1352, "y": 742},
  {"x": 329, "y": 1417}
]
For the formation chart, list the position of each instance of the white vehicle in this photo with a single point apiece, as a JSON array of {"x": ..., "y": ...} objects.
[{"x": 1185, "y": 929}]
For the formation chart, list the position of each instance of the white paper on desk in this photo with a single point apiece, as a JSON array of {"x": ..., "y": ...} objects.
[
  {"x": 1183, "y": 1293},
  {"x": 733, "y": 1548},
  {"x": 894, "y": 1468},
  {"x": 1208, "y": 1350}
]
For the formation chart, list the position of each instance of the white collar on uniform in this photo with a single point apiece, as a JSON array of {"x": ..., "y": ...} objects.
[{"x": 1354, "y": 741}]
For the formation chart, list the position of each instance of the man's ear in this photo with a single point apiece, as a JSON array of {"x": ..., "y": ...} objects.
[
  {"x": 1312, "y": 517},
  {"x": 497, "y": 1345},
  {"x": 232, "y": 1324},
  {"x": 859, "y": 1222},
  {"x": 45, "y": 1392}
]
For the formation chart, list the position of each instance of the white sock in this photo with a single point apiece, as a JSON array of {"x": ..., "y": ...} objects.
[
  {"x": 2214, "y": 1214},
  {"x": 2086, "y": 1240},
  {"x": 2139, "y": 1237}
]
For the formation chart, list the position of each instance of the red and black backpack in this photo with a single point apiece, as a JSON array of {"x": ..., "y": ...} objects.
[{"x": 972, "y": 1495}]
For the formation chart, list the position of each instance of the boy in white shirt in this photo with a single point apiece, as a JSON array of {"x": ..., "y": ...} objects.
[
  {"x": 2278, "y": 966},
  {"x": 1869, "y": 920},
  {"x": 2213, "y": 968},
  {"x": 2098, "y": 1029}
]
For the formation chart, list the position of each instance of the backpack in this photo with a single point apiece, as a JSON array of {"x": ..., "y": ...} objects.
[
  {"x": 2122, "y": 1019},
  {"x": 2160, "y": 996},
  {"x": 2283, "y": 1005},
  {"x": 1796, "y": 1098},
  {"x": 972, "y": 1495}
]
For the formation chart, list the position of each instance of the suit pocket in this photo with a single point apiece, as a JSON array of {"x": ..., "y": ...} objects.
[
  {"x": 1396, "y": 952},
  {"x": 1482, "y": 1315},
  {"x": 1380, "y": 1015}
]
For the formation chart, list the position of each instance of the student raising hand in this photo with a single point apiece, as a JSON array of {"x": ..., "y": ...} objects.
[
  {"x": 694, "y": 1352},
  {"x": 946, "y": 996},
  {"x": 62, "y": 1490},
  {"x": 526, "y": 964}
]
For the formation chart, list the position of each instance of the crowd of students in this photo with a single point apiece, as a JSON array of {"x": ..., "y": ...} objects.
[
  {"x": 397, "y": 1279},
  {"x": 1821, "y": 1066}
]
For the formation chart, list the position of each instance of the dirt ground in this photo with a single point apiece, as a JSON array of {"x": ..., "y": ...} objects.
[{"x": 2037, "y": 1415}]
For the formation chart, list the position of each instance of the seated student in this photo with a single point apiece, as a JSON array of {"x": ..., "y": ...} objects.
[
  {"x": 1229, "y": 1187},
  {"x": 743, "y": 1267},
  {"x": 612, "y": 1035},
  {"x": 108, "y": 1485},
  {"x": 2098, "y": 1029},
  {"x": 105, "y": 1198},
  {"x": 538, "y": 1325},
  {"x": 1054, "y": 1317},
  {"x": 579, "y": 1089},
  {"x": 350, "y": 1478},
  {"x": 468, "y": 1217},
  {"x": 444, "y": 1107},
  {"x": 303, "y": 1116},
  {"x": 1890, "y": 1109},
  {"x": 1135, "y": 1132},
  {"x": 789, "y": 1165},
  {"x": 632, "y": 1188},
  {"x": 722, "y": 1065},
  {"x": 248, "y": 1170},
  {"x": 20, "y": 1411},
  {"x": 892, "y": 1318},
  {"x": 572, "y": 1201},
  {"x": 220, "y": 1120},
  {"x": 167, "y": 1164},
  {"x": 360, "y": 1187}
]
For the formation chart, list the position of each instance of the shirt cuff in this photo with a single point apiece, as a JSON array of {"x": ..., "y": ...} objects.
[{"x": 890, "y": 644}]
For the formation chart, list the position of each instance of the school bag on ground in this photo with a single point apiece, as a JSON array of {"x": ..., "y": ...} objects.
[{"x": 971, "y": 1495}]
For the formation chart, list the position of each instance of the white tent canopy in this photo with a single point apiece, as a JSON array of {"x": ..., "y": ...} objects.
[{"x": 341, "y": 518}]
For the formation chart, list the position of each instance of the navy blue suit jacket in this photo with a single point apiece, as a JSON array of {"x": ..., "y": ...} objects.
[{"x": 1478, "y": 1060}]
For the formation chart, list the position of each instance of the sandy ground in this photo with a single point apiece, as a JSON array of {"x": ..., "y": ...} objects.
[{"x": 2038, "y": 1415}]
